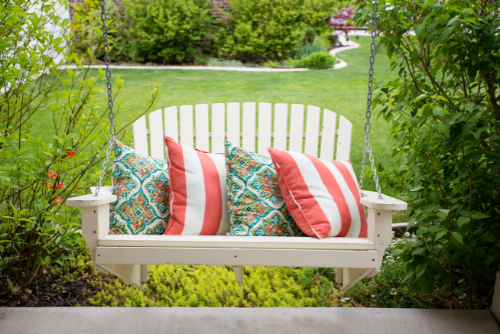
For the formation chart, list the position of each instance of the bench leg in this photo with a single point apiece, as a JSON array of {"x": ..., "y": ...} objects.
[{"x": 239, "y": 273}]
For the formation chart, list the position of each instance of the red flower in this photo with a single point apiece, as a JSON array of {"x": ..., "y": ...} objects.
[
  {"x": 57, "y": 200},
  {"x": 58, "y": 185},
  {"x": 52, "y": 175},
  {"x": 69, "y": 154}
]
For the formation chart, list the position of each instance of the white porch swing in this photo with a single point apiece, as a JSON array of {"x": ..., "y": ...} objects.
[{"x": 128, "y": 256}]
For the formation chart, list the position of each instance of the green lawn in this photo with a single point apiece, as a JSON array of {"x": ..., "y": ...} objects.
[{"x": 342, "y": 91}]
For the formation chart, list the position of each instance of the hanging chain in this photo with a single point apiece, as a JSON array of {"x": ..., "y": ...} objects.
[
  {"x": 368, "y": 126},
  {"x": 112, "y": 127}
]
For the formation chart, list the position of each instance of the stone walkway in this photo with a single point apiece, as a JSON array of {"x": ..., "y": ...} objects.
[{"x": 79, "y": 320}]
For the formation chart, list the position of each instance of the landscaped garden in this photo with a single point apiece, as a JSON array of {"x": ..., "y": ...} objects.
[{"x": 435, "y": 139}]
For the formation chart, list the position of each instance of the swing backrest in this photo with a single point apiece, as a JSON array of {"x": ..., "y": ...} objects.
[{"x": 255, "y": 127}]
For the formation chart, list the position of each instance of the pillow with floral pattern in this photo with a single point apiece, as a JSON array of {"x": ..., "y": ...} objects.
[
  {"x": 255, "y": 203},
  {"x": 142, "y": 186}
]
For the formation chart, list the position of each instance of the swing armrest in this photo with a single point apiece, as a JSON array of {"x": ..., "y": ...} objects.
[
  {"x": 90, "y": 200},
  {"x": 370, "y": 200}
]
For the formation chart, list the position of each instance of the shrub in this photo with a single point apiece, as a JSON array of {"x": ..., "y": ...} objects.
[
  {"x": 87, "y": 31},
  {"x": 52, "y": 136},
  {"x": 269, "y": 29},
  {"x": 444, "y": 108},
  {"x": 319, "y": 61},
  {"x": 167, "y": 31},
  {"x": 303, "y": 50}
]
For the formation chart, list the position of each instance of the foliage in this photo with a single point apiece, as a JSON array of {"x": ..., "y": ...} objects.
[
  {"x": 224, "y": 63},
  {"x": 167, "y": 31},
  {"x": 319, "y": 44},
  {"x": 444, "y": 109},
  {"x": 342, "y": 22},
  {"x": 38, "y": 175},
  {"x": 215, "y": 286},
  {"x": 319, "y": 61},
  {"x": 87, "y": 27},
  {"x": 387, "y": 289},
  {"x": 269, "y": 29}
]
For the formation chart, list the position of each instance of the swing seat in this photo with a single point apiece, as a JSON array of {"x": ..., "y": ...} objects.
[{"x": 206, "y": 128}]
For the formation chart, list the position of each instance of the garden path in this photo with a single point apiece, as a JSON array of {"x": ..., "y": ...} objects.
[{"x": 348, "y": 46}]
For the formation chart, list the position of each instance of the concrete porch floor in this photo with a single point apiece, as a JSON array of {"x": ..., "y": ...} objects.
[{"x": 243, "y": 320}]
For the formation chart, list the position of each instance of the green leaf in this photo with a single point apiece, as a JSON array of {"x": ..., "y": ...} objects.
[
  {"x": 469, "y": 106},
  {"x": 479, "y": 215},
  {"x": 439, "y": 235},
  {"x": 41, "y": 176},
  {"x": 445, "y": 35},
  {"x": 442, "y": 98},
  {"x": 462, "y": 220},
  {"x": 458, "y": 237},
  {"x": 4, "y": 241},
  {"x": 427, "y": 3},
  {"x": 443, "y": 213},
  {"x": 118, "y": 82},
  {"x": 421, "y": 97},
  {"x": 438, "y": 111}
]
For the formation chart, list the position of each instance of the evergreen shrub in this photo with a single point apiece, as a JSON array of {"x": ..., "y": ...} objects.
[
  {"x": 167, "y": 31},
  {"x": 270, "y": 29}
]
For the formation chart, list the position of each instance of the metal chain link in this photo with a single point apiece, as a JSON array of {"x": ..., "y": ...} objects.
[
  {"x": 367, "y": 148},
  {"x": 112, "y": 127}
]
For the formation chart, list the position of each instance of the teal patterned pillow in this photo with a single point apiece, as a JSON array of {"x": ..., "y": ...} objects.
[
  {"x": 254, "y": 200},
  {"x": 142, "y": 186}
]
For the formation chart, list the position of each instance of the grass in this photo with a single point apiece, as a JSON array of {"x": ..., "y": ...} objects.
[{"x": 342, "y": 91}]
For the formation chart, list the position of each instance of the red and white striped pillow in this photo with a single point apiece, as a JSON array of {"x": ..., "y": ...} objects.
[
  {"x": 198, "y": 196},
  {"x": 322, "y": 196}
]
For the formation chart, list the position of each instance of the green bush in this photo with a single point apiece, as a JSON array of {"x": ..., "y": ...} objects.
[
  {"x": 319, "y": 44},
  {"x": 269, "y": 29},
  {"x": 38, "y": 174},
  {"x": 319, "y": 61},
  {"x": 167, "y": 31},
  {"x": 444, "y": 109},
  {"x": 87, "y": 31}
]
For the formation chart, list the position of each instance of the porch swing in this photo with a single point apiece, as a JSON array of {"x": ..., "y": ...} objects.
[{"x": 128, "y": 256}]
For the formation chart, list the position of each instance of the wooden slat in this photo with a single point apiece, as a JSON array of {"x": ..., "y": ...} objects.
[
  {"x": 296, "y": 128},
  {"x": 233, "y": 123},
  {"x": 312, "y": 131},
  {"x": 344, "y": 140},
  {"x": 218, "y": 127},
  {"x": 202, "y": 140},
  {"x": 216, "y": 241},
  {"x": 328, "y": 135},
  {"x": 186, "y": 116},
  {"x": 171, "y": 123},
  {"x": 280, "y": 125},
  {"x": 248, "y": 128},
  {"x": 264, "y": 134},
  {"x": 156, "y": 139},
  {"x": 328, "y": 138},
  {"x": 140, "y": 136},
  {"x": 237, "y": 257}
]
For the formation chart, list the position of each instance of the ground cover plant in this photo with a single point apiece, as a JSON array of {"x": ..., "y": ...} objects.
[{"x": 445, "y": 117}]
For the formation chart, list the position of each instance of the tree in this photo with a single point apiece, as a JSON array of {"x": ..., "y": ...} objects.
[{"x": 445, "y": 112}]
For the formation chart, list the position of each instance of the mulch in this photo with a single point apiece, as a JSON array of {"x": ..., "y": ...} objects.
[{"x": 52, "y": 290}]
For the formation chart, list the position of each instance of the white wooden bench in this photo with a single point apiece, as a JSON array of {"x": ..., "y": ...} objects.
[{"x": 255, "y": 127}]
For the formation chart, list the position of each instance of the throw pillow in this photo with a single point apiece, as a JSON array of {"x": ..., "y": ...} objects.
[
  {"x": 198, "y": 202},
  {"x": 256, "y": 206},
  {"x": 322, "y": 196},
  {"x": 142, "y": 187}
]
